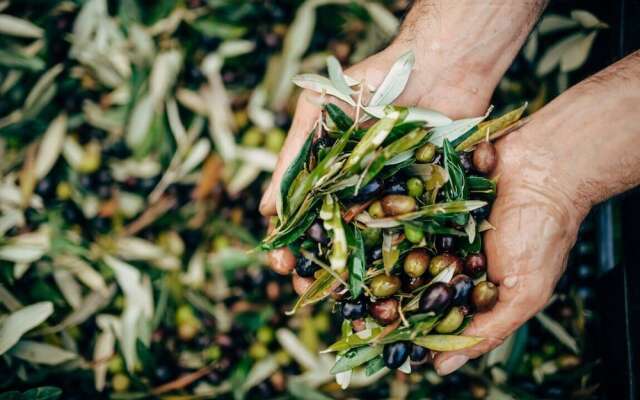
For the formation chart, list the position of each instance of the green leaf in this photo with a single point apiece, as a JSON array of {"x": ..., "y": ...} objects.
[
  {"x": 357, "y": 260},
  {"x": 337, "y": 76},
  {"x": 429, "y": 211},
  {"x": 492, "y": 129},
  {"x": 456, "y": 186},
  {"x": 374, "y": 365},
  {"x": 292, "y": 171},
  {"x": 320, "y": 84},
  {"x": 342, "y": 121},
  {"x": 319, "y": 289},
  {"x": 15, "y": 60},
  {"x": 480, "y": 184},
  {"x": 355, "y": 357},
  {"x": 12, "y": 395},
  {"x": 286, "y": 237},
  {"x": 395, "y": 80},
  {"x": 42, "y": 393},
  {"x": 20, "y": 322},
  {"x": 447, "y": 342},
  {"x": 454, "y": 130},
  {"x": 215, "y": 28}
]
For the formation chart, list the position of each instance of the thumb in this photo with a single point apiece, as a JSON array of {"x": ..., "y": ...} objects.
[{"x": 519, "y": 299}]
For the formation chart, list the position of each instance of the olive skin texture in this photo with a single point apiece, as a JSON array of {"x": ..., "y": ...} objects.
[
  {"x": 413, "y": 234},
  {"x": 436, "y": 298},
  {"x": 394, "y": 186},
  {"x": 484, "y": 296},
  {"x": 305, "y": 267},
  {"x": 395, "y": 354},
  {"x": 416, "y": 262},
  {"x": 385, "y": 285},
  {"x": 426, "y": 153},
  {"x": 368, "y": 191},
  {"x": 442, "y": 261},
  {"x": 485, "y": 158},
  {"x": 445, "y": 243},
  {"x": 475, "y": 265},
  {"x": 451, "y": 321},
  {"x": 397, "y": 204},
  {"x": 462, "y": 286},
  {"x": 415, "y": 187},
  {"x": 410, "y": 284},
  {"x": 354, "y": 309},
  {"x": 384, "y": 311},
  {"x": 419, "y": 355},
  {"x": 375, "y": 210},
  {"x": 481, "y": 213},
  {"x": 465, "y": 161}
]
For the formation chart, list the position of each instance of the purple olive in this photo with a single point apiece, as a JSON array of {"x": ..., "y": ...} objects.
[
  {"x": 436, "y": 298},
  {"x": 367, "y": 192},
  {"x": 419, "y": 355},
  {"x": 409, "y": 284},
  {"x": 475, "y": 264},
  {"x": 462, "y": 286},
  {"x": 317, "y": 233},
  {"x": 384, "y": 311},
  {"x": 484, "y": 296},
  {"x": 395, "y": 354},
  {"x": 445, "y": 243},
  {"x": 305, "y": 267}
]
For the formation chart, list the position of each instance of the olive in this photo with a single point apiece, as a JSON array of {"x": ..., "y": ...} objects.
[
  {"x": 568, "y": 361},
  {"x": 426, "y": 153},
  {"x": 415, "y": 187},
  {"x": 301, "y": 284},
  {"x": 444, "y": 244},
  {"x": 451, "y": 322},
  {"x": 45, "y": 188},
  {"x": 281, "y": 260},
  {"x": 385, "y": 285},
  {"x": 409, "y": 284},
  {"x": 416, "y": 262},
  {"x": 317, "y": 233},
  {"x": 368, "y": 191},
  {"x": 585, "y": 272},
  {"x": 475, "y": 265},
  {"x": 442, "y": 261},
  {"x": 395, "y": 186},
  {"x": 384, "y": 311},
  {"x": 371, "y": 237},
  {"x": 485, "y": 157},
  {"x": 436, "y": 298},
  {"x": 465, "y": 161},
  {"x": 413, "y": 233},
  {"x": 375, "y": 254},
  {"x": 479, "y": 391},
  {"x": 120, "y": 383},
  {"x": 274, "y": 140},
  {"x": 484, "y": 296},
  {"x": 395, "y": 354},
  {"x": 354, "y": 309},
  {"x": 375, "y": 210},
  {"x": 481, "y": 213},
  {"x": 462, "y": 286},
  {"x": 305, "y": 267},
  {"x": 397, "y": 204},
  {"x": 419, "y": 355},
  {"x": 359, "y": 325}
]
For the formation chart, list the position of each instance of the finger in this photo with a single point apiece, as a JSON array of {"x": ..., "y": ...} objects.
[
  {"x": 281, "y": 261},
  {"x": 519, "y": 298},
  {"x": 303, "y": 120}
]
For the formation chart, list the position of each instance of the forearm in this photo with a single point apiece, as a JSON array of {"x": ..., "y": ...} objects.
[{"x": 466, "y": 44}]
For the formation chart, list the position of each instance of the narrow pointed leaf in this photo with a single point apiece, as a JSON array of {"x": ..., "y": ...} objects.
[
  {"x": 395, "y": 81},
  {"x": 447, "y": 342},
  {"x": 355, "y": 357}
]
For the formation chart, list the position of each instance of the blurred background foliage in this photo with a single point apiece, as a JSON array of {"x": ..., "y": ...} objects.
[{"x": 136, "y": 137}]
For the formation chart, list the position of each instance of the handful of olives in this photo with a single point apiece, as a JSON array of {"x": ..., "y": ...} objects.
[{"x": 388, "y": 221}]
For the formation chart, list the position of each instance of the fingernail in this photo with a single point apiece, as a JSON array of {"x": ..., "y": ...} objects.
[
  {"x": 266, "y": 197},
  {"x": 452, "y": 364}
]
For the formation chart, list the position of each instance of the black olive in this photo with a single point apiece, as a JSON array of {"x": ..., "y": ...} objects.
[
  {"x": 409, "y": 284},
  {"x": 45, "y": 188},
  {"x": 465, "y": 161},
  {"x": 102, "y": 224},
  {"x": 354, "y": 309},
  {"x": 395, "y": 186},
  {"x": 395, "y": 354},
  {"x": 419, "y": 354},
  {"x": 71, "y": 213},
  {"x": 444, "y": 243},
  {"x": 163, "y": 373},
  {"x": 118, "y": 150},
  {"x": 210, "y": 43},
  {"x": 368, "y": 191},
  {"x": 86, "y": 181},
  {"x": 585, "y": 271},
  {"x": 481, "y": 213},
  {"x": 375, "y": 254},
  {"x": 436, "y": 298},
  {"x": 317, "y": 233},
  {"x": 475, "y": 264},
  {"x": 462, "y": 286},
  {"x": 305, "y": 267},
  {"x": 32, "y": 217}
]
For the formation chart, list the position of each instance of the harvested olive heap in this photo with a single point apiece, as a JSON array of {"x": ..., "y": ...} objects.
[{"x": 387, "y": 220}]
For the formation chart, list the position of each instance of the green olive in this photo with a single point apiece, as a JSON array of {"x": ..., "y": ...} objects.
[
  {"x": 413, "y": 234},
  {"x": 375, "y": 210},
  {"x": 274, "y": 140},
  {"x": 451, "y": 322},
  {"x": 120, "y": 383},
  {"x": 397, "y": 204},
  {"x": 442, "y": 261},
  {"x": 416, "y": 262},
  {"x": 426, "y": 153},
  {"x": 385, "y": 285},
  {"x": 252, "y": 137},
  {"x": 436, "y": 179},
  {"x": 371, "y": 236},
  {"x": 415, "y": 187},
  {"x": 484, "y": 296}
]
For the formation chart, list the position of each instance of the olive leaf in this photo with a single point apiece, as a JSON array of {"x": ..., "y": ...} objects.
[
  {"x": 390, "y": 251},
  {"x": 395, "y": 81},
  {"x": 288, "y": 236},
  {"x": 414, "y": 114},
  {"x": 339, "y": 117},
  {"x": 553, "y": 56},
  {"x": 290, "y": 174},
  {"x": 320, "y": 84},
  {"x": 456, "y": 186},
  {"x": 455, "y": 129},
  {"x": 432, "y": 210},
  {"x": 337, "y": 76},
  {"x": 330, "y": 214},
  {"x": 480, "y": 184},
  {"x": 374, "y": 365},
  {"x": 553, "y": 23},
  {"x": 357, "y": 260},
  {"x": 355, "y": 357},
  {"x": 15, "y": 60},
  {"x": 41, "y": 353},
  {"x": 447, "y": 342},
  {"x": 491, "y": 129},
  {"x": 577, "y": 54},
  {"x": 319, "y": 289},
  {"x": 21, "y": 321}
]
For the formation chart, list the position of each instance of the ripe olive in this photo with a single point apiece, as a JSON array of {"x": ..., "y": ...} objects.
[
  {"x": 384, "y": 311},
  {"x": 426, "y": 153},
  {"x": 395, "y": 354},
  {"x": 359, "y": 325},
  {"x": 395, "y": 186},
  {"x": 444, "y": 243},
  {"x": 442, "y": 261},
  {"x": 416, "y": 262},
  {"x": 385, "y": 285},
  {"x": 409, "y": 284},
  {"x": 375, "y": 210},
  {"x": 451, "y": 321},
  {"x": 354, "y": 309},
  {"x": 462, "y": 286},
  {"x": 485, "y": 157},
  {"x": 484, "y": 296},
  {"x": 436, "y": 298},
  {"x": 475, "y": 264},
  {"x": 465, "y": 161},
  {"x": 305, "y": 267},
  {"x": 415, "y": 187},
  {"x": 481, "y": 213},
  {"x": 301, "y": 284},
  {"x": 317, "y": 233},
  {"x": 368, "y": 191},
  {"x": 419, "y": 355},
  {"x": 397, "y": 204},
  {"x": 413, "y": 233}
]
